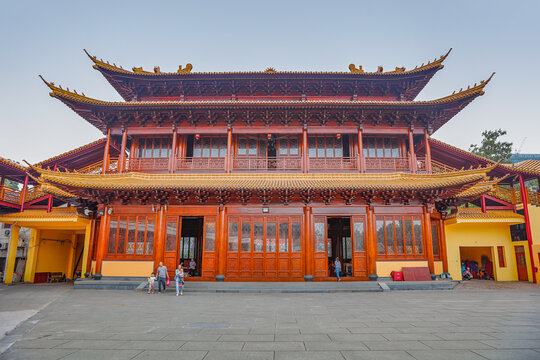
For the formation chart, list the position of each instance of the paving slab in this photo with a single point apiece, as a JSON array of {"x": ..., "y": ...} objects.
[
  {"x": 167, "y": 355},
  {"x": 376, "y": 355},
  {"x": 514, "y": 354},
  {"x": 308, "y": 355},
  {"x": 445, "y": 355},
  {"x": 239, "y": 355},
  {"x": 102, "y": 354}
]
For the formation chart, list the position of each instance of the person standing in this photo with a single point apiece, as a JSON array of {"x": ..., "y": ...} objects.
[
  {"x": 179, "y": 279},
  {"x": 163, "y": 276},
  {"x": 192, "y": 266},
  {"x": 337, "y": 265}
]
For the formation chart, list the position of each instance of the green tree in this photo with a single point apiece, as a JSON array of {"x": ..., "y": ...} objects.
[{"x": 491, "y": 147}]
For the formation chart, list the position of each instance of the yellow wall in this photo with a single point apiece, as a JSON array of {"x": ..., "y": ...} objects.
[
  {"x": 438, "y": 267},
  {"x": 481, "y": 235},
  {"x": 53, "y": 255},
  {"x": 534, "y": 217},
  {"x": 127, "y": 268},
  {"x": 385, "y": 268}
]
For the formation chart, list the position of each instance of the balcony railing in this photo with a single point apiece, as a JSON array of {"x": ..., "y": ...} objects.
[
  {"x": 148, "y": 164},
  {"x": 387, "y": 164},
  {"x": 200, "y": 164},
  {"x": 514, "y": 197},
  {"x": 97, "y": 167},
  {"x": 439, "y": 168},
  {"x": 336, "y": 163},
  {"x": 288, "y": 163},
  {"x": 10, "y": 195}
]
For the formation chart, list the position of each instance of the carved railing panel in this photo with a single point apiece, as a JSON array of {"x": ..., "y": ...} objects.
[
  {"x": 288, "y": 163},
  {"x": 200, "y": 163},
  {"x": 148, "y": 164},
  {"x": 335, "y": 163},
  {"x": 387, "y": 164}
]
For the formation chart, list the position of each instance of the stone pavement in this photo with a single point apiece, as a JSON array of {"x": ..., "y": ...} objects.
[
  {"x": 468, "y": 323},
  {"x": 19, "y": 302}
]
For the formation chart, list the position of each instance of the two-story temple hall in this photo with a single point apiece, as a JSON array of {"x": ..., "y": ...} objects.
[{"x": 271, "y": 176}]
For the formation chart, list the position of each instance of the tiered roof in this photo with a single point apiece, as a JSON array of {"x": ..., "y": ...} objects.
[
  {"x": 139, "y": 84},
  {"x": 431, "y": 114}
]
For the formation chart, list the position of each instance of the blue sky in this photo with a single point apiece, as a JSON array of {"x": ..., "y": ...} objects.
[{"x": 47, "y": 38}]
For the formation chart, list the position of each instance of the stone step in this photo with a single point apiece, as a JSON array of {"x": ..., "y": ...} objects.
[{"x": 271, "y": 287}]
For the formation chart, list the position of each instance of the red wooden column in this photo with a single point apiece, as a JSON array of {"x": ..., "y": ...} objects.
[
  {"x": 309, "y": 245},
  {"x": 428, "y": 243},
  {"x": 172, "y": 158},
  {"x": 228, "y": 161},
  {"x": 122, "y": 158},
  {"x": 412, "y": 154},
  {"x": 160, "y": 234},
  {"x": 305, "y": 160},
  {"x": 361, "y": 159},
  {"x": 50, "y": 197},
  {"x": 525, "y": 202},
  {"x": 105, "y": 164},
  {"x": 442, "y": 251},
  {"x": 428, "y": 152},
  {"x": 23, "y": 192},
  {"x": 221, "y": 244},
  {"x": 371, "y": 245},
  {"x": 102, "y": 240},
  {"x": 483, "y": 203}
]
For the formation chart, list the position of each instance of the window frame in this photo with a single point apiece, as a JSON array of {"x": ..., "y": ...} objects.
[
  {"x": 371, "y": 144},
  {"x": 147, "y": 143},
  {"x": 127, "y": 219},
  {"x": 413, "y": 255}
]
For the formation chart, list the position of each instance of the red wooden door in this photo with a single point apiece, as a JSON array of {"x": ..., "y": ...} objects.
[
  {"x": 521, "y": 264},
  {"x": 270, "y": 255},
  {"x": 320, "y": 258},
  {"x": 358, "y": 230},
  {"x": 209, "y": 247},
  {"x": 296, "y": 264},
  {"x": 233, "y": 235},
  {"x": 245, "y": 267},
  {"x": 257, "y": 260},
  {"x": 283, "y": 247},
  {"x": 173, "y": 228}
]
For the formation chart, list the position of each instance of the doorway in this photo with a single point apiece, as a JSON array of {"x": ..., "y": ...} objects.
[
  {"x": 190, "y": 246},
  {"x": 521, "y": 264},
  {"x": 339, "y": 244}
]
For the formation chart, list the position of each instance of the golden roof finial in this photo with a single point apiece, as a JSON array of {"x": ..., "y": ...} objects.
[
  {"x": 270, "y": 70},
  {"x": 185, "y": 70},
  {"x": 139, "y": 70},
  {"x": 356, "y": 70}
]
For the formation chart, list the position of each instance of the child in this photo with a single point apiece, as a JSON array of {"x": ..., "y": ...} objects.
[
  {"x": 337, "y": 265},
  {"x": 151, "y": 281},
  {"x": 179, "y": 279},
  {"x": 467, "y": 274}
]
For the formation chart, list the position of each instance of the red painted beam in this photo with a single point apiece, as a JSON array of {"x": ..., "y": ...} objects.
[{"x": 525, "y": 201}]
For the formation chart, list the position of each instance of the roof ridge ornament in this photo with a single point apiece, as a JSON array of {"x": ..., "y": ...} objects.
[
  {"x": 356, "y": 70},
  {"x": 270, "y": 70},
  {"x": 185, "y": 70}
]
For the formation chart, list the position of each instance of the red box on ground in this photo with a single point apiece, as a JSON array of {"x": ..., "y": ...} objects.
[
  {"x": 397, "y": 275},
  {"x": 41, "y": 277},
  {"x": 416, "y": 274}
]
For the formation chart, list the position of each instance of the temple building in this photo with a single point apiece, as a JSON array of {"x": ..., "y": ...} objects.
[{"x": 271, "y": 175}]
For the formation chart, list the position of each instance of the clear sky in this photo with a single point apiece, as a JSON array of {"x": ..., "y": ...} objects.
[{"x": 48, "y": 37}]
